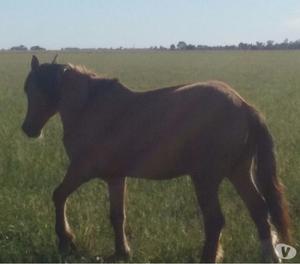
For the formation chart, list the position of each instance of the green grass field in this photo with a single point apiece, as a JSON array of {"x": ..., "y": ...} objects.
[{"x": 158, "y": 229}]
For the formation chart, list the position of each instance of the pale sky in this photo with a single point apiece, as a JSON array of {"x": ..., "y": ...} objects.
[{"x": 54, "y": 24}]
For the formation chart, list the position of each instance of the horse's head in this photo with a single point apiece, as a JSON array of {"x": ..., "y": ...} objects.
[{"x": 42, "y": 87}]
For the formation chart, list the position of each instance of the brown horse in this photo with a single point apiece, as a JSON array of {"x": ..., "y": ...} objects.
[{"x": 205, "y": 130}]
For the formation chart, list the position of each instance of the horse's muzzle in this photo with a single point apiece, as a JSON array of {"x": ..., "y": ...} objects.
[{"x": 32, "y": 133}]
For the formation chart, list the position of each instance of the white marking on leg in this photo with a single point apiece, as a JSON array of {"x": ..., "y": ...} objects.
[{"x": 268, "y": 250}]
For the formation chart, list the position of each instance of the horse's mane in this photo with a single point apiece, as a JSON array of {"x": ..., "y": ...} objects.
[
  {"x": 99, "y": 84},
  {"x": 82, "y": 70}
]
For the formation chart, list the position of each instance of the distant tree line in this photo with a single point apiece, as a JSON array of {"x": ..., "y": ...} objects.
[
  {"x": 182, "y": 45},
  {"x": 24, "y": 48},
  {"x": 269, "y": 45}
]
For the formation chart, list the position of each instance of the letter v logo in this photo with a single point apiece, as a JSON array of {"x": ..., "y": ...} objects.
[{"x": 285, "y": 251}]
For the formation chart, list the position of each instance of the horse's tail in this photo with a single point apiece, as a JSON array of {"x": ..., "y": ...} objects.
[{"x": 265, "y": 177}]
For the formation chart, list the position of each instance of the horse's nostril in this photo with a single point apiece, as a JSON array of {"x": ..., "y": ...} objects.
[
  {"x": 25, "y": 128},
  {"x": 31, "y": 130}
]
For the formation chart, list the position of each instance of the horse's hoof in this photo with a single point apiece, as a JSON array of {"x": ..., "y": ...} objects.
[
  {"x": 66, "y": 247},
  {"x": 118, "y": 257},
  {"x": 123, "y": 255},
  {"x": 271, "y": 259}
]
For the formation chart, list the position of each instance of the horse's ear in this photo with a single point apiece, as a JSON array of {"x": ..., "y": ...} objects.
[
  {"x": 54, "y": 59},
  {"x": 34, "y": 63}
]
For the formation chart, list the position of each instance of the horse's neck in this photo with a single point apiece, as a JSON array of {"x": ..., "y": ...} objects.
[
  {"x": 80, "y": 98},
  {"x": 68, "y": 120},
  {"x": 74, "y": 96}
]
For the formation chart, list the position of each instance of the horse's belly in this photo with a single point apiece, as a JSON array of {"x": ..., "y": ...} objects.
[
  {"x": 154, "y": 173},
  {"x": 162, "y": 163}
]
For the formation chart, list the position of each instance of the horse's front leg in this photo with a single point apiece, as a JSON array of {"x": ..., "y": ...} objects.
[
  {"x": 117, "y": 194},
  {"x": 73, "y": 179}
]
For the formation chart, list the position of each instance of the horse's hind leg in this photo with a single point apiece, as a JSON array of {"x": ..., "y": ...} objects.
[
  {"x": 71, "y": 182},
  {"x": 257, "y": 207},
  {"x": 207, "y": 194},
  {"x": 117, "y": 194}
]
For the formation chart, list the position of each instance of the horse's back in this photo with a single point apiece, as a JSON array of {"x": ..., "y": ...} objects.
[
  {"x": 173, "y": 130},
  {"x": 167, "y": 132},
  {"x": 200, "y": 120}
]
